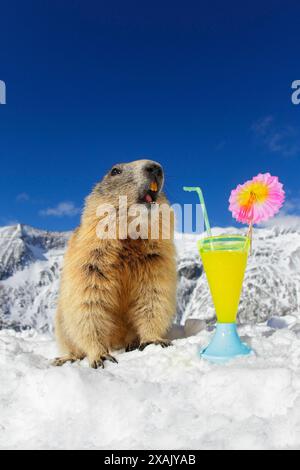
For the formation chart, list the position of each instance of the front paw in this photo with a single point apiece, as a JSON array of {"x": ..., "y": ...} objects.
[
  {"x": 164, "y": 343},
  {"x": 99, "y": 363},
  {"x": 60, "y": 361},
  {"x": 132, "y": 346}
]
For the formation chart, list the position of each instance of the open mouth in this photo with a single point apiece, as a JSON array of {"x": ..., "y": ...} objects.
[{"x": 151, "y": 194}]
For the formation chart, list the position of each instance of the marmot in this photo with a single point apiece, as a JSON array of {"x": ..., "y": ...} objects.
[{"x": 117, "y": 293}]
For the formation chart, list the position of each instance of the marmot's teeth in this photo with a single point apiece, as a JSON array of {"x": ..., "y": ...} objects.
[{"x": 153, "y": 186}]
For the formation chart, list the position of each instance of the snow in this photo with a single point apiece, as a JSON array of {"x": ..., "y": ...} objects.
[
  {"x": 159, "y": 398},
  {"x": 155, "y": 399}
]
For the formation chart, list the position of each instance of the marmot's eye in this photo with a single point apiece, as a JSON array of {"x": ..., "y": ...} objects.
[{"x": 115, "y": 171}]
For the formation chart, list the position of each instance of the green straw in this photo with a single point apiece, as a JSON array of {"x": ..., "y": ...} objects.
[{"x": 203, "y": 206}]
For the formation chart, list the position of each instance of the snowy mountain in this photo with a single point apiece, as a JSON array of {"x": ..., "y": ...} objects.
[
  {"x": 271, "y": 285},
  {"x": 31, "y": 261},
  {"x": 30, "y": 265}
]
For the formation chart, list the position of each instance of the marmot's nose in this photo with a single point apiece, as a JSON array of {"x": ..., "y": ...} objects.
[{"x": 154, "y": 169}]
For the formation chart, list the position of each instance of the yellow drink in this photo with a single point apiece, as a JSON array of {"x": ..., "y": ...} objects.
[{"x": 224, "y": 260}]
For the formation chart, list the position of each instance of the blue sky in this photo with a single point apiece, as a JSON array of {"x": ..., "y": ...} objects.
[{"x": 204, "y": 87}]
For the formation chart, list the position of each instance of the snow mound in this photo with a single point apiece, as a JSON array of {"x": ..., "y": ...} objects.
[{"x": 155, "y": 399}]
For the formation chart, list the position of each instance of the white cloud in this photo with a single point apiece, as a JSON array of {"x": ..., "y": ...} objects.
[
  {"x": 5, "y": 221},
  {"x": 284, "y": 140},
  {"x": 12, "y": 222},
  {"x": 221, "y": 145},
  {"x": 286, "y": 221},
  {"x": 292, "y": 205},
  {"x": 288, "y": 217},
  {"x": 262, "y": 125},
  {"x": 63, "y": 209},
  {"x": 23, "y": 197}
]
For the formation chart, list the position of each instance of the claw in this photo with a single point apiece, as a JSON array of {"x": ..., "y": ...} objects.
[
  {"x": 132, "y": 346},
  {"x": 144, "y": 345},
  {"x": 110, "y": 358},
  {"x": 165, "y": 343},
  {"x": 60, "y": 361},
  {"x": 97, "y": 364}
]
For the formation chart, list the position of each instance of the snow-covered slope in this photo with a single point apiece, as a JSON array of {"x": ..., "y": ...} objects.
[
  {"x": 31, "y": 260},
  {"x": 155, "y": 399}
]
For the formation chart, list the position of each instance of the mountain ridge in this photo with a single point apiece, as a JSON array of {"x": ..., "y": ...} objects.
[{"x": 31, "y": 261}]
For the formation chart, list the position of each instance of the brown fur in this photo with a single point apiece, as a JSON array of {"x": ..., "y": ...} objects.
[{"x": 114, "y": 292}]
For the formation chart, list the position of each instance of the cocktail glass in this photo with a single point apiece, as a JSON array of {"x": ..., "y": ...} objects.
[{"x": 224, "y": 260}]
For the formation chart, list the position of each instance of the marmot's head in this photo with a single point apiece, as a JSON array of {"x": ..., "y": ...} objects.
[{"x": 141, "y": 181}]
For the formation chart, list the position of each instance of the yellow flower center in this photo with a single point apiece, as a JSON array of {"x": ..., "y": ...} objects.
[{"x": 255, "y": 193}]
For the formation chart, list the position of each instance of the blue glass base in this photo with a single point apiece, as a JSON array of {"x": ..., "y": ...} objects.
[{"x": 225, "y": 345}]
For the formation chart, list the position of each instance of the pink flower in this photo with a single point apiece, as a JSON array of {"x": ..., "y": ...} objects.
[{"x": 257, "y": 200}]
